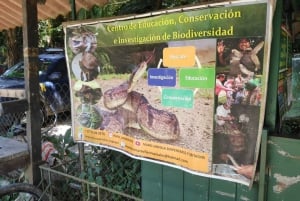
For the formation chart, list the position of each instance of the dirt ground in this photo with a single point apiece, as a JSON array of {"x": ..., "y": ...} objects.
[{"x": 196, "y": 124}]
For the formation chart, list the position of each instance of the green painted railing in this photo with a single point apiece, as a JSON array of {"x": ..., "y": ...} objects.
[{"x": 279, "y": 178}]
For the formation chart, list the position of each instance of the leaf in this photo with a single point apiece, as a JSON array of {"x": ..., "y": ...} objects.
[
  {"x": 96, "y": 12},
  {"x": 83, "y": 14},
  {"x": 82, "y": 175},
  {"x": 99, "y": 180}
]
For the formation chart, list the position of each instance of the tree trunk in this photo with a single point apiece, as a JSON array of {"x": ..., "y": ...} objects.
[{"x": 12, "y": 47}]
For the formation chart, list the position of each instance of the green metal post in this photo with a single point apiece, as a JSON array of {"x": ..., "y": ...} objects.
[
  {"x": 271, "y": 106},
  {"x": 262, "y": 168},
  {"x": 73, "y": 9}
]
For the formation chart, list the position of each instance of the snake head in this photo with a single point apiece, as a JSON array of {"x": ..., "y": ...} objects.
[
  {"x": 138, "y": 72},
  {"x": 136, "y": 75}
]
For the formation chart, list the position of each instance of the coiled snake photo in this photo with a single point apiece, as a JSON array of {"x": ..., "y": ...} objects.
[{"x": 137, "y": 112}]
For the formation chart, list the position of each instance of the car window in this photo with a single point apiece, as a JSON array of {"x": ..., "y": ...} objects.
[
  {"x": 16, "y": 71},
  {"x": 58, "y": 66}
]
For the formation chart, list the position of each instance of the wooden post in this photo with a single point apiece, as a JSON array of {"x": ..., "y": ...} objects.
[{"x": 30, "y": 48}]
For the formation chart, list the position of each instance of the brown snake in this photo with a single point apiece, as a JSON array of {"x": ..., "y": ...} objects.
[{"x": 137, "y": 111}]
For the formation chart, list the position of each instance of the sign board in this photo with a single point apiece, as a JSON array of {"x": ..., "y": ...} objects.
[{"x": 184, "y": 88}]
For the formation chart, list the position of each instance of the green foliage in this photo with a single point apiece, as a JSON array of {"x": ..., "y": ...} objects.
[
  {"x": 113, "y": 7},
  {"x": 63, "y": 145},
  {"x": 113, "y": 170},
  {"x": 136, "y": 6},
  {"x": 96, "y": 11},
  {"x": 143, "y": 6},
  {"x": 176, "y": 3},
  {"x": 104, "y": 167},
  {"x": 83, "y": 14},
  {"x": 3, "y": 48},
  {"x": 106, "y": 66},
  {"x": 51, "y": 32},
  {"x": 43, "y": 27}
]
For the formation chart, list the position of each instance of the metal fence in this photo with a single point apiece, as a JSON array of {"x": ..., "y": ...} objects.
[
  {"x": 106, "y": 179},
  {"x": 54, "y": 109}
]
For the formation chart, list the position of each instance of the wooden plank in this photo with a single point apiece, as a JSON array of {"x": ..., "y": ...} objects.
[
  {"x": 172, "y": 184},
  {"x": 195, "y": 187},
  {"x": 222, "y": 190},
  {"x": 284, "y": 171},
  {"x": 12, "y": 93},
  {"x": 151, "y": 181},
  {"x": 13, "y": 154}
]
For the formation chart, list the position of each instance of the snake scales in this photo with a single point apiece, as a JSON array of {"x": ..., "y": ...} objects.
[{"x": 137, "y": 111}]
